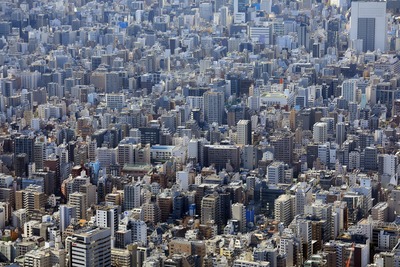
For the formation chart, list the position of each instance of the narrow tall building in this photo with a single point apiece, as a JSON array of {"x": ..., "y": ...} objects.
[
  {"x": 244, "y": 132},
  {"x": 131, "y": 196},
  {"x": 284, "y": 209},
  {"x": 239, "y": 214},
  {"x": 213, "y": 107},
  {"x": 79, "y": 201},
  {"x": 211, "y": 210}
]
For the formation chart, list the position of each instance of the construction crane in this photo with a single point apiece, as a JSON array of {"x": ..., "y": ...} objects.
[{"x": 351, "y": 254}]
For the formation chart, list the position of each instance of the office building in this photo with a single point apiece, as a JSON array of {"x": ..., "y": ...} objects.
[
  {"x": 369, "y": 25},
  {"x": 214, "y": 107},
  {"x": 89, "y": 247},
  {"x": 115, "y": 101},
  {"x": 239, "y": 11},
  {"x": 24, "y": 144},
  {"x": 283, "y": 147},
  {"x": 221, "y": 156}
]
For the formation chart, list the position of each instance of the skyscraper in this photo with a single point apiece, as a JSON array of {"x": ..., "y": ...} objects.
[
  {"x": 213, "y": 107},
  {"x": 89, "y": 247},
  {"x": 369, "y": 24},
  {"x": 244, "y": 132}
]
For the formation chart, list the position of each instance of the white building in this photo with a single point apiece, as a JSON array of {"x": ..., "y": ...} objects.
[
  {"x": 89, "y": 247},
  {"x": 369, "y": 23},
  {"x": 349, "y": 90},
  {"x": 239, "y": 213},
  {"x": 108, "y": 217},
  {"x": 320, "y": 132},
  {"x": 182, "y": 179},
  {"x": 243, "y": 132},
  {"x": 132, "y": 195},
  {"x": 276, "y": 172},
  {"x": 284, "y": 209}
]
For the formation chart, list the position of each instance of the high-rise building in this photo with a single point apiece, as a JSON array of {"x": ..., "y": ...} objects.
[
  {"x": 21, "y": 165},
  {"x": 239, "y": 11},
  {"x": 152, "y": 212},
  {"x": 31, "y": 199},
  {"x": 112, "y": 82},
  {"x": 125, "y": 154},
  {"x": 108, "y": 217},
  {"x": 224, "y": 15},
  {"x": 115, "y": 101},
  {"x": 139, "y": 231},
  {"x": 244, "y": 132},
  {"x": 121, "y": 257},
  {"x": 322, "y": 212},
  {"x": 369, "y": 25},
  {"x": 89, "y": 247},
  {"x": 303, "y": 197},
  {"x": 340, "y": 133},
  {"x": 79, "y": 201},
  {"x": 303, "y": 36},
  {"x": 39, "y": 150},
  {"x": 221, "y": 155},
  {"x": 380, "y": 212},
  {"x": 284, "y": 209},
  {"x": 213, "y": 107},
  {"x": 239, "y": 214},
  {"x": 320, "y": 132},
  {"x": 276, "y": 172},
  {"x": 266, "y": 5},
  {"x": 211, "y": 210},
  {"x": 24, "y": 144},
  {"x": 132, "y": 196},
  {"x": 283, "y": 147},
  {"x": 387, "y": 164},
  {"x": 349, "y": 90},
  {"x": 370, "y": 158},
  {"x": 67, "y": 213},
  {"x": 333, "y": 33},
  {"x": 149, "y": 135}
]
